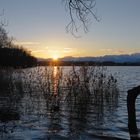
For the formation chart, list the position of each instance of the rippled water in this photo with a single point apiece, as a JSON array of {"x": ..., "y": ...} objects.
[{"x": 86, "y": 120}]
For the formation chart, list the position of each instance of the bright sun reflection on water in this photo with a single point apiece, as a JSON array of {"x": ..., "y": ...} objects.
[{"x": 55, "y": 78}]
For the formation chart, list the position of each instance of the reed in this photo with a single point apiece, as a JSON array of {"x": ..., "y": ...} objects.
[
  {"x": 57, "y": 85},
  {"x": 48, "y": 90}
]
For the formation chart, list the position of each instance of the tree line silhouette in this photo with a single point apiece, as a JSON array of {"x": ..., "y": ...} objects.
[{"x": 12, "y": 55}]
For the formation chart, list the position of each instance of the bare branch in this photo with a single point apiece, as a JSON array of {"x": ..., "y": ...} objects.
[
  {"x": 4, "y": 39},
  {"x": 79, "y": 11}
]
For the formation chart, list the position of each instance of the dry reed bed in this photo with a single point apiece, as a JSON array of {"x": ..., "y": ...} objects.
[{"x": 72, "y": 85}]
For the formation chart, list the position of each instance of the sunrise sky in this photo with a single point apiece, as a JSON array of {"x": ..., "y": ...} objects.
[{"x": 39, "y": 25}]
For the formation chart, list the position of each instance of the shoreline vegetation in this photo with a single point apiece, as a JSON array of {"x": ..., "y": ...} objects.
[
  {"x": 85, "y": 63},
  {"x": 16, "y": 57},
  {"x": 12, "y": 55}
]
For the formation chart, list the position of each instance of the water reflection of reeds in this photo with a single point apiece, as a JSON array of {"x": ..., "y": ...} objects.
[
  {"x": 71, "y": 100},
  {"x": 10, "y": 96}
]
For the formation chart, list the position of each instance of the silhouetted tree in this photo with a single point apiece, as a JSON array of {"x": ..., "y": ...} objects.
[
  {"x": 80, "y": 10},
  {"x": 12, "y": 55},
  {"x": 4, "y": 40}
]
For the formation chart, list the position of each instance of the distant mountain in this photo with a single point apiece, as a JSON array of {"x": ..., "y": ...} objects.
[
  {"x": 113, "y": 58},
  {"x": 133, "y": 58}
]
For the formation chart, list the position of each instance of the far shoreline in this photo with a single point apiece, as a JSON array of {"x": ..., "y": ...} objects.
[{"x": 85, "y": 63}]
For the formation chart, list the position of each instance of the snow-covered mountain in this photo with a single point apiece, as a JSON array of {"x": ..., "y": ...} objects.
[{"x": 113, "y": 58}]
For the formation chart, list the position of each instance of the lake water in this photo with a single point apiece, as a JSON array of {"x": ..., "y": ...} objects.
[{"x": 39, "y": 116}]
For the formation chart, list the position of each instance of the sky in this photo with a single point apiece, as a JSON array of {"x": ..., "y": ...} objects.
[{"x": 40, "y": 26}]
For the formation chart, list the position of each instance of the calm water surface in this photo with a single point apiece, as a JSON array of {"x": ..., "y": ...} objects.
[{"x": 86, "y": 121}]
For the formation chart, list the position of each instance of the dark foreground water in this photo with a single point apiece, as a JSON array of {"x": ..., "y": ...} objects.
[{"x": 34, "y": 115}]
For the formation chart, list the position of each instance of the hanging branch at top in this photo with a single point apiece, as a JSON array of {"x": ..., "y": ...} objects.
[{"x": 79, "y": 11}]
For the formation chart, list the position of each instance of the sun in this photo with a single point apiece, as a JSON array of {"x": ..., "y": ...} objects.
[{"x": 55, "y": 57}]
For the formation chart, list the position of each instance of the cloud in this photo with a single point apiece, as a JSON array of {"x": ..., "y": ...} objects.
[
  {"x": 114, "y": 51},
  {"x": 54, "y": 51},
  {"x": 38, "y": 51},
  {"x": 63, "y": 50},
  {"x": 106, "y": 50},
  {"x": 68, "y": 50},
  {"x": 26, "y": 43}
]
